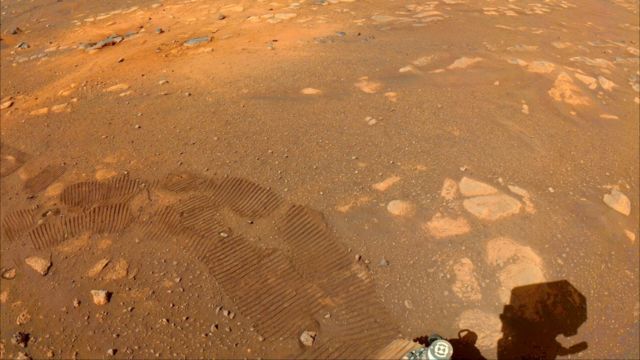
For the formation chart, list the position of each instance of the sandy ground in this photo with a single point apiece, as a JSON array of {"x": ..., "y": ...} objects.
[{"x": 361, "y": 170}]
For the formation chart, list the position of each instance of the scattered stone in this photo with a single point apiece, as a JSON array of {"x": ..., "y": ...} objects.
[
  {"x": 23, "y": 356},
  {"x": 76, "y": 303},
  {"x": 408, "y": 304},
  {"x": 400, "y": 208},
  {"x": 16, "y": 31},
  {"x": 492, "y": 207},
  {"x": 100, "y": 297},
  {"x": 525, "y": 109},
  {"x": 471, "y": 187},
  {"x": 7, "y": 104},
  {"x": 609, "y": 117},
  {"x": 112, "y": 352},
  {"x": 221, "y": 16},
  {"x": 159, "y": 31},
  {"x": 9, "y": 274},
  {"x": 618, "y": 202},
  {"x": 391, "y": 96},
  {"x": 97, "y": 268},
  {"x": 23, "y": 318},
  {"x": 307, "y": 338},
  {"x": 441, "y": 226},
  {"x": 22, "y": 45},
  {"x": 197, "y": 41},
  {"x": 20, "y": 339},
  {"x": 310, "y": 91},
  {"x": 4, "y": 296},
  {"x": 383, "y": 262},
  {"x": 163, "y": 82},
  {"x": 40, "y": 265},
  {"x": 466, "y": 286},
  {"x": 463, "y": 62},
  {"x": 117, "y": 88},
  {"x": 386, "y": 183}
]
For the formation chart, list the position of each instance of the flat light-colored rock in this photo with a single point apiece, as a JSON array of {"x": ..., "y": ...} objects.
[
  {"x": 7, "y": 104},
  {"x": 60, "y": 108},
  {"x": 526, "y": 198},
  {"x": 386, "y": 183},
  {"x": 591, "y": 82},
  {"x": 518, "y": 274},
  {"x": 466, "y": 286},
  {"x": 618, "y": 202},
  {"x": 310, "y": 91},
  {"x": 565, "y": 90},
  {"x": 501, "y": 250},
  {"x": 40, "y": 265},
  {"x": 40, "y": 112},
  {"x": 606, "y": 83},
  {"x": 400, "y": 208},
  {"x": 100, "y": 297},
  {"x": 488, "y": 327},
  {"x": 492, "y": 207},
  {"x": 4, "y": 296},
  {"x": 117, "y": 88},
  {"x": 470, "y": 187},
  {"x": 9, "y": 274},
  {"x": 441, "y": 226},
  {"x": 630, "y": 235},
  {"x": 23, "y": 318},
  {"x": 368, "y": 86},
  {"x": 97, "y": 267},
  {"x": 541, "y": 67},
  {"x": 464, "y": 62},
  {"x": 449, "y": 189},
  {"x": 118, "y": 271}
]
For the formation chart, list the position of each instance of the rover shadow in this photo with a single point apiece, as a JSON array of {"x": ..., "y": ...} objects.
[{"x": 531, "y": 322}]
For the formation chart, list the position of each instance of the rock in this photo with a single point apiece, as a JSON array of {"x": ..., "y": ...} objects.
[
  {"x": 310, "y": 91},
  {"x": 540, "y": 67},
  {"x": 518, "y": 274},
  {"x": 97, "y": 267},
  {"x": 400, "y": 208},
  {"x": 4, "y": 296},
  {"x": 487, "y": 326},
  {"x": 60, "y": 108},
  {"x": 566, "y": 91},
  {"x": 630, "y": 235},
  {"x": 525, "y": 109},
  {"x": 368, "y": 86},
  {"x": 449, "y": 189},
  {"x": 76, "y": 303},
  {"x": 441, "y": 226},
  {"x": 221, "y": 16},
  {"x": 408, "y": 304},
  {"x": 112, "y": 352},
  {"x": 108, "y": 41},
  {"x": 391, "y": 96},
  {"x": 463, "y": 62},
  {"x": 492, "y": 207},
  {"x": 22, "y": 45},
  {"x": 100, "y": 297},
  {"x": 526, "y": 198},
  {"x": 197, "y": 41},
  {"x": 386, "y": 183},
  {"x": 23, "y": 356},
  {"x": 618, "y": 202},
  {"x": 591, "y": 82},
  {"x": 162, "y": 82},
  {"x": 7, "y": 104},
  {"x": 285, "y": 16},
  {"x": 466, "y": 286},
  {"x": 606, "y": 83},
  {"x": 307, "y": 338},
  {"x": 40, "y": 265},
  {"x": 118, "y": 271},
  {"x": 23, "y": 318},
  {"x": 16, "y": 31},
  {"x": 159, "y": 31},
  {"x": 9, "y": 274},
  {"x": 383, "y": 262},
  {"x": 117, "y": 87},
  {"x": 39, "y": 112},
  {"x": 470, "y": 187},
  {"x": 20, "y": 339}
]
